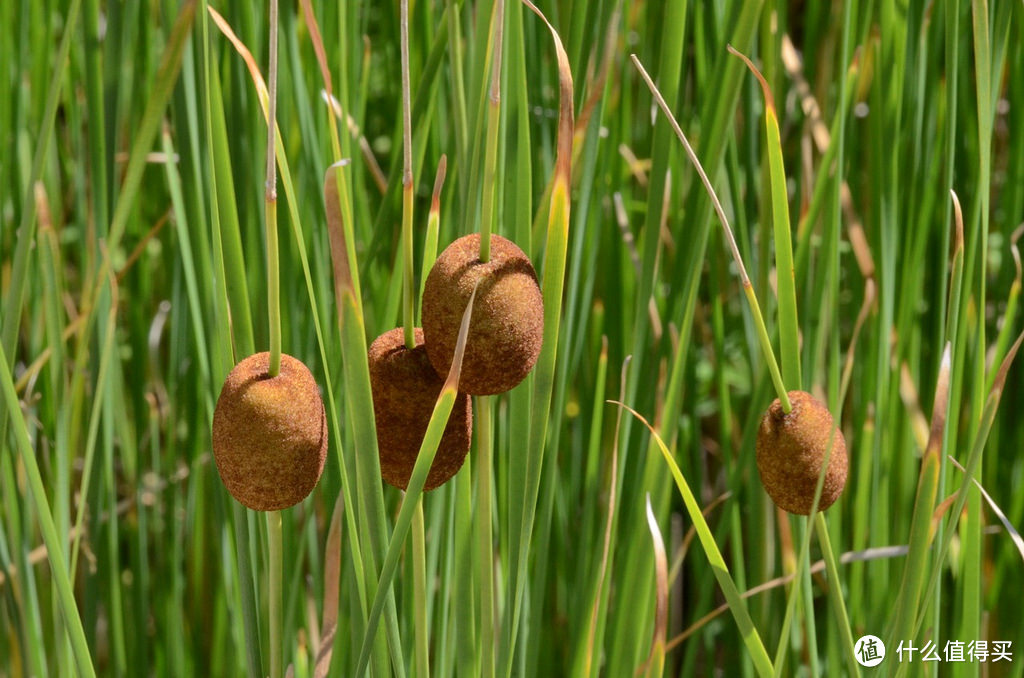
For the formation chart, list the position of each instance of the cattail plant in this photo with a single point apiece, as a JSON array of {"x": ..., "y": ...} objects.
[
  {"x": 270, "y": 425},
  {"x": 508, "y": 322},
  {"x": 269, "y": 433},
  {"x": 405, "y": 387},
  {"x": 791, "y": 448},
  {"x": 507, "y": 328}
]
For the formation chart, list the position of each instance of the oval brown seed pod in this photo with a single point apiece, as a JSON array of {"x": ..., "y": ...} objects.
[
  {"x": 507, "y": 325},
  {"x": 405, "y": 388},
  {"x": 790, "y": 450},
  {"x": 269, "y": 433}
]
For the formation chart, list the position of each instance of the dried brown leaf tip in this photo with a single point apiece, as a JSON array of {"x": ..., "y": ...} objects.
[
  {"x": 269, "y": 433},
  {"x": 405, "y": 388},
  {"x": 790, "y": 450},
  {"x": 507, "y": 325}
]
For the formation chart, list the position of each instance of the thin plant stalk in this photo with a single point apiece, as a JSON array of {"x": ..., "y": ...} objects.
[
  {"x": 408, "y": 303},
  {"x": 491, "y": 153},
  {"x": 274, "y": 554},
  {"x": 419, "y": 575},
  {"x": 274, "y": 581},
  {"x": 273, "y": 269},
  {"x": 835, "y": 590},
  {"x": 485, "y": 538},
  {"x": 273, "y": 287}
]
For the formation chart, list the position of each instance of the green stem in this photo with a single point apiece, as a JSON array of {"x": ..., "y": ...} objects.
[
  {"x": 274, "y": 587},
  {"x": 766, "y": 346},
  {"x": 273, "y": 268},
  {"x": 485, "y": 539},
  {"x": 493, "y": 119},
  {"x": 273, "y": 289},
  {"x": 419, "y": 575},
  {"x": 807, "y": 601},
  {"x": 408, "y": 300},
  {"x": 407, "y": 193},
  {"x": 835, "y": 591}
]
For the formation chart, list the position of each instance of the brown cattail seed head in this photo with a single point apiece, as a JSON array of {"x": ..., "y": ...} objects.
[
  {"x": 405, "y": 388},
  {"x": 269, "y": 433},
  {"x": 790, "y": 451},
  {"x": 507, "y": 324}
]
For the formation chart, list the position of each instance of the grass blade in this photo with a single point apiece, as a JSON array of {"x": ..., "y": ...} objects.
[
  {"x": 656, "y": 660},
  {"x": 915, "y": 566},
  {"x": 971, "y": 468},
  {"x": 54, "y": 547},
  {"x": 751, "y": 638},
  {"x": 424, "y": 459},
  {"x": 789, "y": 327},
  {"x": 552, "y": 286}
]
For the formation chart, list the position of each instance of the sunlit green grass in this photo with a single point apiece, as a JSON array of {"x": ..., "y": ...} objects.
[{"x": 133, "y": 273}]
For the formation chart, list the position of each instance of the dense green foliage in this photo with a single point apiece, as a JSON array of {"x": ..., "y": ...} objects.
[{"x": 133, "y": 272}]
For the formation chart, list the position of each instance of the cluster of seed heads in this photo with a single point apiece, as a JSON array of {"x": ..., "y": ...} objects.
[
  {"x": 505, "y": 332},
  {"x": 270, "y": 433}
]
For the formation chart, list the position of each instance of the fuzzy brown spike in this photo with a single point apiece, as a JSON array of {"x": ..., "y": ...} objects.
[
  {"x": 790, "y": 451},
  {"x": 507, "y": 326},
  {"x": 405, "y": 389},
  {"x": 269, "y": 433}
]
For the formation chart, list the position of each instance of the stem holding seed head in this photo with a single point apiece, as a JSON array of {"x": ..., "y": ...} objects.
[
  {"x": 407, "y": 194},
  {"x": 748, "y": 288},
  {"x": 274, "y": 363},
  {"x": 491, "y": 157},
  {"x": 273, "y": 269}
]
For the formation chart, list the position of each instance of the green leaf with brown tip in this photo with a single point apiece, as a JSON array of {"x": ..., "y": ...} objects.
[
  {"x": 789, "y": 328},
  {"x": 916, "y": 565},
  {"x": 656, "y": 659},
  {"x": 970, "y": 469}
]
